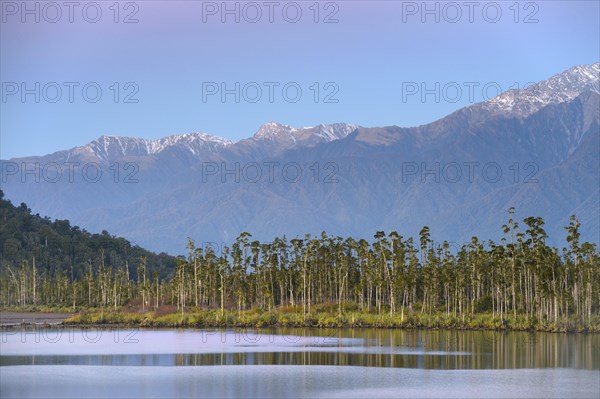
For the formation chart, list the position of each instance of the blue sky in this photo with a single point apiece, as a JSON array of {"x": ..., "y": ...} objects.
[{"x": 176, "y": 51}]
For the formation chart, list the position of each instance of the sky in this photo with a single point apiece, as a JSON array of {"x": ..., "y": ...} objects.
[{"x": 71, "y": 73}]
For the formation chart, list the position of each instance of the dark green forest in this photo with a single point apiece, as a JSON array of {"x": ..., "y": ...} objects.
[
  {"x": 518, "y": 281},
  {"x": 50, "y": 254}
]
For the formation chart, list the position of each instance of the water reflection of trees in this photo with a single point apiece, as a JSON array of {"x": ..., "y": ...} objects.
[{"x": 376, "y": 348}]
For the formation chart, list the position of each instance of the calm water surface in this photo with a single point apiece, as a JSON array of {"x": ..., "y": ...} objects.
[{"x": 296, "y": 363}]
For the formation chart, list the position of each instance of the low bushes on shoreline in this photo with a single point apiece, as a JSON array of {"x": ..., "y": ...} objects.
[{"x": 258, "y": 318}]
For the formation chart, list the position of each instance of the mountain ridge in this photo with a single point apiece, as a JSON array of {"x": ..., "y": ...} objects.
[{"x": 520, "y": 102}]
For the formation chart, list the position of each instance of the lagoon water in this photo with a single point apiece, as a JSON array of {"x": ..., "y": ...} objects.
[{"x": 80, "y": 363}]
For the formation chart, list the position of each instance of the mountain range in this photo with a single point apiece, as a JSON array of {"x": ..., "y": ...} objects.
[{"x": 536, "y": 149}]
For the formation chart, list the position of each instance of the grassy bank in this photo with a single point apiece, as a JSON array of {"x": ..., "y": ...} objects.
[
  {"x": 45, "y": 309},
  {"x": 323, "y": 317}
]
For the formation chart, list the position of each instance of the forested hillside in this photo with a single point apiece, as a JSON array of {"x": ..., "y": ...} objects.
[{"x": 57, "y": 250}]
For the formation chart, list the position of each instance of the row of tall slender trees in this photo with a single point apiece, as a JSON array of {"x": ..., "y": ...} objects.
[{"x": 521, "y": 275}]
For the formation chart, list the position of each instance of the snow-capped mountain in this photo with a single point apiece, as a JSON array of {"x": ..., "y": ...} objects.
[
  {"x": 113, "y": 147},
  {"x": 274, "y": 131},
  {"x": 560, "y": 88},
  {"x": 276, "y": 136},
  {"x": 334, "y": 131},
  {"x": 458, "y": 175},
  {"x": 277, "y": 132}
]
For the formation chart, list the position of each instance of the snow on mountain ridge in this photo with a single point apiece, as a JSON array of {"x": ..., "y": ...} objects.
[
  {"x": 559, "y": 88},
  {"x": 335, "y": 131},
  {"x": 110, "y": 147},
  {"x": 107, "y": 147},
  {"x": 271, "y": 130},
  {"x": 274, "y": 130}
]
